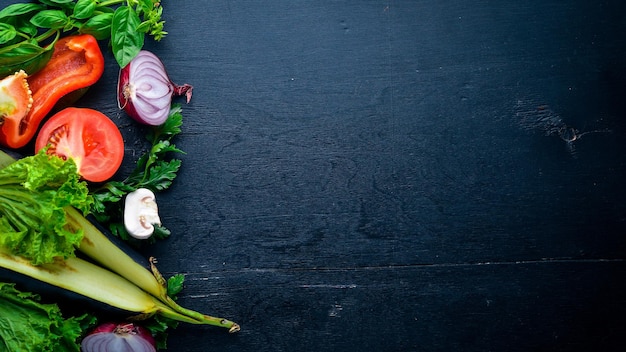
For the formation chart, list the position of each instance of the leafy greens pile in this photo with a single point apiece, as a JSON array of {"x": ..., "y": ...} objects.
[
  {"x": 27, "y": 29},
  {"x": 33, "y": 194},
  {"x": 26, "y": 325}
]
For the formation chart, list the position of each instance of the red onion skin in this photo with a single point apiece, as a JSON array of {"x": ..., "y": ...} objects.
[
  {"x": 109, "y": 337},
  {"x": 145, "y": 90}
]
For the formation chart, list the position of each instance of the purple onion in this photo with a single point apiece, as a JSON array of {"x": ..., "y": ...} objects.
[
  {"x": 145, "y": 91},
  {"x": 125, "y": 337}
]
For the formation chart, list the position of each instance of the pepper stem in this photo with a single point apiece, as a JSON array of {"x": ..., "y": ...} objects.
[{"x": 198, "y": 317}]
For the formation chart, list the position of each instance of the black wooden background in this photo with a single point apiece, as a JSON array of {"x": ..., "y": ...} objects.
[{"x": 390, "y": 175}]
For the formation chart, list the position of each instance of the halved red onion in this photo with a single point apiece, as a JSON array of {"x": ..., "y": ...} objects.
[
  {"x": 145, "y": 91},
  {"x": 126, "y": 337}
]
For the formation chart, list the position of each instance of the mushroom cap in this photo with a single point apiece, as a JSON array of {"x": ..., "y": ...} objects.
[{"x": 141, "y": 213}]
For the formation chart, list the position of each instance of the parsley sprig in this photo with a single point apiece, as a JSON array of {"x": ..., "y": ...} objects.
[
  {"x": 27, "y": 29},
  {"x": 154, "y": 170}
]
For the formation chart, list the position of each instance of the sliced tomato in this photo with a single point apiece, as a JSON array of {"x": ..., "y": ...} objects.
[{"x": 87, "y": 136}]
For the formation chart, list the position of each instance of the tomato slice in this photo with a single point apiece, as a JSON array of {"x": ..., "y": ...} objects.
[{"x": 87, "y": 136}]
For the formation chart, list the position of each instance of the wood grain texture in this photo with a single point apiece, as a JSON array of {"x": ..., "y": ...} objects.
[{"x": 357, "y": 176}]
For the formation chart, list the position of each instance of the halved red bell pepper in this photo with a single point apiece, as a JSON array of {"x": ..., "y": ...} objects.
[{"x": 76, "y": 63}]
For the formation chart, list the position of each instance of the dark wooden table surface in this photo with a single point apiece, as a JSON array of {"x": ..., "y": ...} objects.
[{"x": 396, "y": 175}]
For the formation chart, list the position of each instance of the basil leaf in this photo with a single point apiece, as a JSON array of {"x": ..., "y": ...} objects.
[
  {"x": 28, "y": 29},
  {"x": 126, "y": 40},
  {"x": 19, "y": 9},
  {"x": 84, "y": 9},
  {"x": 7, "y": 33},
  {"x": 145, "y": 6},
  {"x": 26, "y": 56},
  {"x": 104, "y": 9},
  {"x": 22, "y": 49},
  {"x": 99, "y": 26},
  {"x": 54, "y": 19},
  {"x": 57, "y": 2},
  {"x": 144, "y": 27}
]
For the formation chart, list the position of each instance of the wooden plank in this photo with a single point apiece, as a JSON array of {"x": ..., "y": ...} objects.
[
  {"x": 533, "y": 306},
  {"x": 375, "y": 175}
]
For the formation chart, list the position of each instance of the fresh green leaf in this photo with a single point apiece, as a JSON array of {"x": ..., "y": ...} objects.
[
  {"x": 19, "y": 9},
  {"x": 160, "y": 233},
  {"x": 54, "y": 19},
  {"x": 27, "y": 28},
  {"x": 25, "y": 56},
  {"x": 145, "y": 6},
  {"x": 158, "y": 326},
  {"x": 144, "y": 27},
  {"x": 104, "y": 9},
  {"x": 175, "y": 285},
  {"x": 7, "y": 33},
  {"x": 163, "y": 173},
  {"x": 84, "y": 9},
  {"x": 164, "y": 146},
  {"x": 34, "y": 192},
  {"x": 63, "y": 3},
  {"x": 126, "y": 25},
  {"x": 99, "y": 26},
  {"x": 171, "y": 126},
  {"x": 126, "y": 40},
  {"x": 26, "y": 325}
]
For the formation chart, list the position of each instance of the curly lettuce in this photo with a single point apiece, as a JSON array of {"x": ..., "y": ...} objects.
[
  {"x": 33, "y": 194},
  {"x": 27, "y": 325}
]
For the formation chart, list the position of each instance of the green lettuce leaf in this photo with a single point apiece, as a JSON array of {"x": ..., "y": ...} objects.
[
  {"x": 27, "y": 325},
  {"x": 33, "y": 194}
]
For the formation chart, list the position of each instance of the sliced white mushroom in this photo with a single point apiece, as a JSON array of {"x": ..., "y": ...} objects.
[{"x": 141, "y": 213}]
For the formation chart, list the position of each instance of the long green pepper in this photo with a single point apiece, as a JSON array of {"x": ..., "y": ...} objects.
[{"x": 119, "y": 281}]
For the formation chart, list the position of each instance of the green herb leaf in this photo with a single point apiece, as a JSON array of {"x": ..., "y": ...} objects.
[
  {"x": 145, "y": 6},
  {"x": 64, "y": 3},
  {"x": 175, "y": 285},
  {"x": 54, "y": 19},
  {"x": 171, "y": 126},
  {"x": 7, "y": 33},
  {"x": 26, "y": 56},
  {"x": 26, "y": 325},
  {"x": 126, "y": 25},
  {"x": 19, "y": 9},
  {"x": 126, "y": 40},
  {"x": 27, "y": 28},
  {"x": 99, "y": 26},
  {"x": 84, "y": 8},
  {"x": 158, "y": 326},
  {"x": 159, "y": 175}
]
